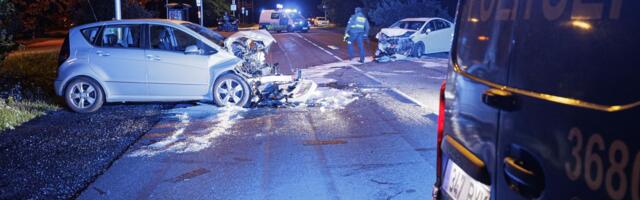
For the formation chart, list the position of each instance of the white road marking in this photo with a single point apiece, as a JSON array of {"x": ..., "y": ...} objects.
[
  {"x": 396, "y": 90},
  {"x": 333, "y": 47}
]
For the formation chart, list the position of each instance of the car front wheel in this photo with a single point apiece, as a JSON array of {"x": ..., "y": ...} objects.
[
  {"x": 231, "y": 89},
  {"x": 84, "y": 95},
  {"x": 417, "y": 50}
]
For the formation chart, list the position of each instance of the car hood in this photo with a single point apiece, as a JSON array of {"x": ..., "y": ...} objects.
[
  {"x": 256, "y": 35},
  {"x": 393, "y": 32}
]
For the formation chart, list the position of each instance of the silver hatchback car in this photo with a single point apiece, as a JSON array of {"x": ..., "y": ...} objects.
[{"x": 147, "y": 60}]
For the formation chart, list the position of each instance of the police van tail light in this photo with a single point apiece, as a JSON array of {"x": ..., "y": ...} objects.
[{"x": 440, "y": 132}]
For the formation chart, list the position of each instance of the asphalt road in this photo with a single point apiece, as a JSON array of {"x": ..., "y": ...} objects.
[{"x": 368, "y": 133}]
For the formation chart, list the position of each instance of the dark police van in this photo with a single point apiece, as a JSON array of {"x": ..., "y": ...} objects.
[{"x": 542, "y": 101}]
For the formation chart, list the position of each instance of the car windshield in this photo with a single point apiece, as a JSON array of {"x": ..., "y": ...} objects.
[
  {"x": 295, "y": 16},
  {"x": 207, "y": 33},
  {"x": 413, "y": 25}
]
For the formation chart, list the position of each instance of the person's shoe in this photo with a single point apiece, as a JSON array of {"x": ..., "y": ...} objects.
[{"x": 361, "y": 61}]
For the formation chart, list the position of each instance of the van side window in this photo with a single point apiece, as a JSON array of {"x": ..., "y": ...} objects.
[
  {"x": 275, "y": 15},
  {"x": 90, "y": 34},
  {"x": 482, "y": 47},
  {"x": 121, "y": 36}
]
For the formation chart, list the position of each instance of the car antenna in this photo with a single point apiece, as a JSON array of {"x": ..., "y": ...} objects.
[{"x": 92, "y": 11}]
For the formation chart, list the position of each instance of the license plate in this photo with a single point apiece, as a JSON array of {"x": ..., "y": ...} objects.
[{"x": 459, "y": 185}]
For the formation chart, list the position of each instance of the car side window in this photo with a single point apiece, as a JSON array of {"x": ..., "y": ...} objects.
[
  {"x": 121, "y": 36},
  {"x": 441, "y": 24},
  {"x": 160, "y": 38},
  {"x": 430, "y": 26},
  {"x": 90, "y": 34},
  {"x": 171, "y": 39},
  {"x": 184, "y": 40}
]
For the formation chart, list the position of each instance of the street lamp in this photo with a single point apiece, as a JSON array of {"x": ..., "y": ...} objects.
[{"x": 118, "y": 10}]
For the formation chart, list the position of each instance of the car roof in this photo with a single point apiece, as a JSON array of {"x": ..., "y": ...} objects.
[
  {"x": 420, "y": 19},
  {"x": 124, "y": 21}
]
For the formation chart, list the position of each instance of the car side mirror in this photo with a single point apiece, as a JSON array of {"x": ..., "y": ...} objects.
[{"x": 192, "y": 50}]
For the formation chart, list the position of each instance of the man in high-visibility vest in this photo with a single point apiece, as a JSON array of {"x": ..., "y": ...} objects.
[{"x": 357, "y": 29}]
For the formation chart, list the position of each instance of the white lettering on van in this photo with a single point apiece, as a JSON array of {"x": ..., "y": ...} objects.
[
  {"x": 584, "y": 11},
  {"x": 616, "y": 6},
  {"x": 502, "y": 10},
  {"x": 485, "y": 12},
  {"x": 609, "y": 160},
  {"x": 553, "y": 12}
]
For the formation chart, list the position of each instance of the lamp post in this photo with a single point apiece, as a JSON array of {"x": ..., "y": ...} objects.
[{"x": 118, "y": 10}]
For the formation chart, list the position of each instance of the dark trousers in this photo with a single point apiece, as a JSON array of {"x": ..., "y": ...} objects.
[{"x": 356, "y": 37}]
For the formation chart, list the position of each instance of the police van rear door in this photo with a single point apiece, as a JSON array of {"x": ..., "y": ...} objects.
[
  {"x": 573, "y": 133},
  {"x": 480, "y": 53}
]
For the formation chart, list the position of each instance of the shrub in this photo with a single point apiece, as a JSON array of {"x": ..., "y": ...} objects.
[
  {"x": 29, "y": 75},
  {"x": 387, "y": 12}
]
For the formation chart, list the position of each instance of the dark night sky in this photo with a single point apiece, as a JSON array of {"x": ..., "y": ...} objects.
[{"x": 307, "y": 7}]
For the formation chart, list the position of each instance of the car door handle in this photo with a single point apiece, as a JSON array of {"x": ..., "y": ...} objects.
[
  {"x": 523, "y": 173},
  {"x": 153, "y": 58},
  {"x": 500, "y": 99},
  {"x": 102, "y": 53}
]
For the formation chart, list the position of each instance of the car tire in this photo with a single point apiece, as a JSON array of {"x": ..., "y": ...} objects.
[
  {"x": 84, "y": 95},
  {"x": 417, "y": 50},
  {"x": 231, "y": 89}
]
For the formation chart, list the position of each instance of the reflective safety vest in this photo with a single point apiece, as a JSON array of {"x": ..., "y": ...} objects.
[{"x": 358, "y": 23}]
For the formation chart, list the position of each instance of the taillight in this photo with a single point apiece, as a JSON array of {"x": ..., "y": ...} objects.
[{"x": 440, "y": 133}]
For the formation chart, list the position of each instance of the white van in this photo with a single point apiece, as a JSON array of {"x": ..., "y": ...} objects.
[{"x": 281, "y": 20}]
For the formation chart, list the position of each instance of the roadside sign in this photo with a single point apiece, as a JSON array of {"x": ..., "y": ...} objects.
[
  {"x": 198, "y": 3},
  {"x": 233, "y": 7}
]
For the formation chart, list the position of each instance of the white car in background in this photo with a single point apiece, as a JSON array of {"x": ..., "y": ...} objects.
[
  {"x": 321, "y": 21},
  {"x": 415, "y": 37}
]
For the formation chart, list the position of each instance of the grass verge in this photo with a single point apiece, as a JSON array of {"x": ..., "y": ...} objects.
[
  {"x": 13, "y": 113},
  {"x": 26, "y": 86}
]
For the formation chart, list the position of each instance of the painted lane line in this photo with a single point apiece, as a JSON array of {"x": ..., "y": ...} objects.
[
  {"x": 413, "y": 100},
  {"x": 333, "y": 47}
]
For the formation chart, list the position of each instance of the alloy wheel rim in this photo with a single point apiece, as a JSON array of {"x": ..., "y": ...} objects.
[
  {"x": 230, "y": 92},
  {"x": 83, "y": 95}
]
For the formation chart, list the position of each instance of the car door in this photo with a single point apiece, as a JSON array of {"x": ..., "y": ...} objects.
[
  {"x": 471, "y": 119},
  {"x": 173, "y": 73},
  {"x": 574, "y": 133},
  {"x": 119, "y": 58},
  {"x": 428, "y": 38},
  {"x": 445, "y": 35}
]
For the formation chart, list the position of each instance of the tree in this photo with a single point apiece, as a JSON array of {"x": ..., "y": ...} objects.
[
  {"x": 386, "y": 12},
  {"x": 214, "y": 9},
  {"x": 340, "y": 11},
  {"x": 38, "y": 16},
  {"x": 7, "y": 12}
]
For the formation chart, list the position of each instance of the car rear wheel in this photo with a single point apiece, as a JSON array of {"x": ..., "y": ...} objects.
[
  {"x": 231, "y": 89},
  {"x": 417, "y": 50},
  {"x": 84, "y": 95}
]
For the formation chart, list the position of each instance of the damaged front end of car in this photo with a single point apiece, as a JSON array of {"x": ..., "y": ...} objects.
[
  {"x": 268, "y": 86},
  {"x": 394, "y": 44}
]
